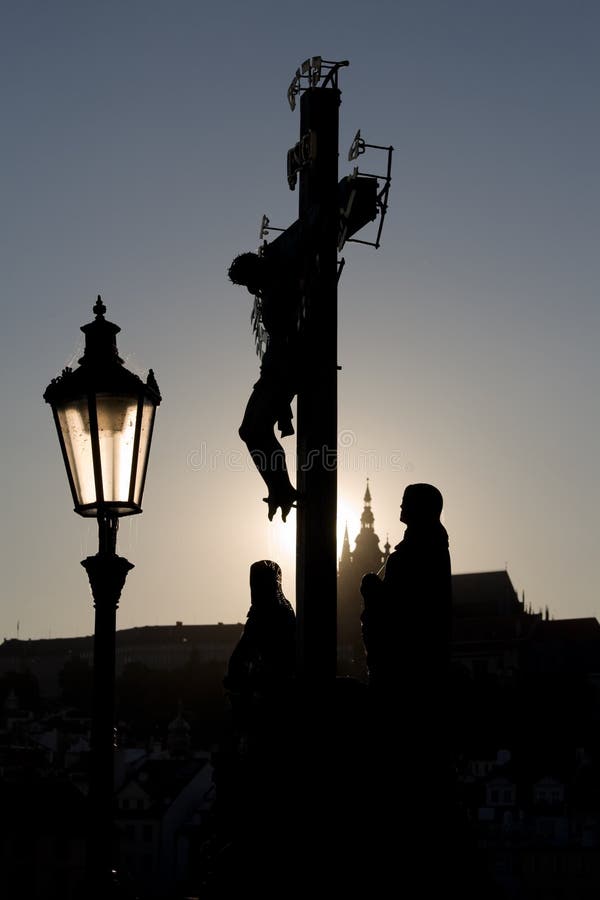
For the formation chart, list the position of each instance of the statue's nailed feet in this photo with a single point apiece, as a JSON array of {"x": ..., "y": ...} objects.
[{"x": 285, "y": 499}]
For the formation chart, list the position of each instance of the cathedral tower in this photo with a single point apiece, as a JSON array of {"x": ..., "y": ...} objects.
[{"x": 366, "y": 557}]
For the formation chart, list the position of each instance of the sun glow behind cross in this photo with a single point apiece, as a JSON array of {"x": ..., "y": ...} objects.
[
  {"x": 281, "y": 547},
  {"x": 281, "y": 542}
]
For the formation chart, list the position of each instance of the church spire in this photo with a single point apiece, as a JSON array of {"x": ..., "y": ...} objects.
[
  {"x": 367, "y": 519},
  {"x": 346, "y": 554}
]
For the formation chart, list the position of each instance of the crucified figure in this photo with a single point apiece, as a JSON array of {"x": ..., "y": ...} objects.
[{"x": 277, "y": 280}]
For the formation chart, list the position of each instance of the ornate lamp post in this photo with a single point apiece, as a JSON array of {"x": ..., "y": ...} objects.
[{"x": 104, "y": 417}]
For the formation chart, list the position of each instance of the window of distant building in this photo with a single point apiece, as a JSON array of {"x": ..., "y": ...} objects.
[
  {"x": 125, "y": 803},
  {"x": 139, "y": 804},
  {"x": 549, "y": 793},
  {"x": 501, "y": 795}
]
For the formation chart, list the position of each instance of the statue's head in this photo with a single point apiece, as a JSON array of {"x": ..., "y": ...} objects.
[
  {"x": 421, "y": 504},
  {"x": 246, "y": 270},
  {"x": 265, "y": 581}
]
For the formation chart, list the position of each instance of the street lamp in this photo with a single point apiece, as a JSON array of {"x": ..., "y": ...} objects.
[{"x": 104, "y": 417}]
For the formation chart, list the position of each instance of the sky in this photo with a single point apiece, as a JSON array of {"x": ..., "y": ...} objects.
[{"x": 141, "y": 144}]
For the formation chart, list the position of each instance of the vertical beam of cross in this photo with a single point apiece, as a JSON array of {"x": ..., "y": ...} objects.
[{"x": 316, "y": 551}]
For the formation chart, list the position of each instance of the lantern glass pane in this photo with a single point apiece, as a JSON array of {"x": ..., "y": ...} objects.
[
  {"x": 148, "y": 410},
  {"x": 74, "y": 423},
  {"x": 116, "y": 433}
]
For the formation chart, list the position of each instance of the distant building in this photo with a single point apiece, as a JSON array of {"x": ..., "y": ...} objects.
[
  {"x": 495, "y": 635},
  {"x": 161, "y": 804},
  {"x": 155, "y": 646},
  {"x": 163, "y": 796},
  {"x": 490, "y": 624}
]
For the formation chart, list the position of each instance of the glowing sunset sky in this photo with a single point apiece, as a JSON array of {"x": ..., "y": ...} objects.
[{"x": 142, "y": 142}]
